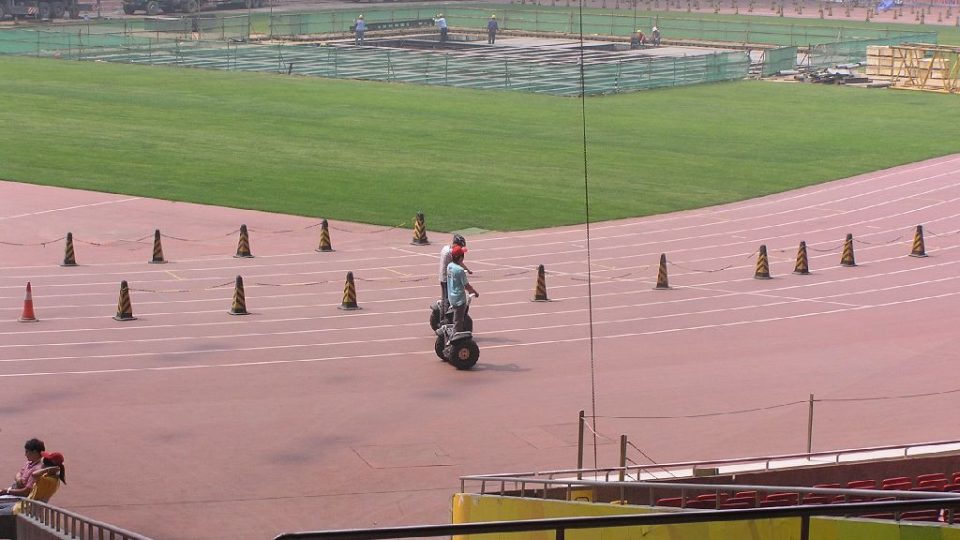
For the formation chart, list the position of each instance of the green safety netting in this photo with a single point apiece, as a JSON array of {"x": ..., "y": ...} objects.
[{"x": 219, "y": 41}]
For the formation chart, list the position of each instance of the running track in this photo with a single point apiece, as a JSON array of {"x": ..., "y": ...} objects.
[{"x": 191, "y": 423}]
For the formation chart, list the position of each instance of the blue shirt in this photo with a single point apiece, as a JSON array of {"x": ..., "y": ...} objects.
[
  {"x": 361, "y": 26},
  {"x": 456, "y": 284}
]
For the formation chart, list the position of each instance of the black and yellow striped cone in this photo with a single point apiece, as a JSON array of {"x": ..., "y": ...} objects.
[
  {"x": 802, "y": 267},
  {"x": 157, "y": 249},
  {"x": 69, "y": 258},
  {"x": 662, "y": 282},
  {"x": 763, "y": 265},
  {"x": 324, "y": 237},
  {"x": 918, "y": 248},
  {"x": 243, "y": 246},
  {"x": 239, "y": 306},
  {"x": 349, "y": 294},
  {"x": 540, "y": 294},
  {"x": 847, "y": 258},
  {"x": 124, "y": 308},
  {"x": 419, "y": 231}
]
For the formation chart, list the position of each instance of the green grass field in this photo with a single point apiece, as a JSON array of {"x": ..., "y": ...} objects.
[{"x": 378, "y": 153}]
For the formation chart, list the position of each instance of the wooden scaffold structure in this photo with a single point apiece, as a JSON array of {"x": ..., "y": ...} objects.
[{"x": 916, "y": 66}]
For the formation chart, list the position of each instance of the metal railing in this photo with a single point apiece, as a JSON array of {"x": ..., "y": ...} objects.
[
  {"x": 542, "y": 488},
  {"x": 561, "y": 525},
  {"x": 817, "y": 458},
  {"x": 71, "y": 525}
]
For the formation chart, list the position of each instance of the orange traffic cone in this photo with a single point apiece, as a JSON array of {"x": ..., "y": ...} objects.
[
  {"x": 349, "y": 294},
  {"x": 243, "y": 245},
  {"x": 28, "y": 315},
  {"x": 802, "y": 267},
  {"x": 540, "y": 294},
  {"x": 662, "y": 282},
  {"x": 124, "y": 308},
  {"x": 239, "y": 306},
  {"x": 419, "y": 231},
  {"x": 157, "y": 249},
  {"x": 325, "y": 237},
  {"x": 763, "y": 265},
  {"x": 69, "y": 258},
  {"x": 846, "y": 259},
  {"x": 918, "y": 248}
]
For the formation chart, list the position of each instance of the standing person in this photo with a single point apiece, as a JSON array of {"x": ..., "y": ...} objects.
[
  {"x": 442, "y": 25},
  {"x": 656, "y": 36},
  {"x": 446, "y": 256},
  {"x": 492, "y": 28},
  {"x": 359, "y": 28},
  {"x": 24, "y": 480},
  {"x": 457, "y": 287},
  {"x": 195, "y": 28}
]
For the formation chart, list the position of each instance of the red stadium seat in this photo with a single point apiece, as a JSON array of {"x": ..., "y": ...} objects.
[
  {"x": 932, "y": 485},
  {"x": 903, "y": 486},
  {"x": 899, "y": 480},
  {"x": 670, "y": 501},
  {"x": 780, "y": 499},
  {"x": 812, "y": 498},
  {"x": 931, "y": 476},
  {"x": 862, "y": 484}
]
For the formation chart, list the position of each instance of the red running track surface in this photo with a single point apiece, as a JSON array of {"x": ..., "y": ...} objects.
[{"x": 191, "y": 423}]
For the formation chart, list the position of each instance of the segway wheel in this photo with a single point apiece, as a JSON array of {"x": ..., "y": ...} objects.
[
  {"x": 464, "y": 354},
  {"x": 438, "y": 347},
  {"x": 434, "y": 317}
]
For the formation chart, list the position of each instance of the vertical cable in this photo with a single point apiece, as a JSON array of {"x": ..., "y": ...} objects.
[{"x": 586, "y": 207}]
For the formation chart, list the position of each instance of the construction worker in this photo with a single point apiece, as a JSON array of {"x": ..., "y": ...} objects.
[
  {"x": 359, "y": 28},
  {"x": 441, "y": 23},
  {"x": 637, "y": 39},
  {"x": 492, "y": 28}
]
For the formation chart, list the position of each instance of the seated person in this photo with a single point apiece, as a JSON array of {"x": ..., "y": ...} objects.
[{"x": 46, "y": 479}]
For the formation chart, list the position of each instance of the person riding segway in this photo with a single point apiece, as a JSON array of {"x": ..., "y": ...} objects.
[
  {"x": 455, "y": 343},
  {"x": 442, "y": 306}
]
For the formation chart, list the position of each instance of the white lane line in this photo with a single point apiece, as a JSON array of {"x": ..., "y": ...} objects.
[
  {"x": 483, "y": 346},
  {"x": 645, "y": 318},
  {"x": 67, "y": 208}
]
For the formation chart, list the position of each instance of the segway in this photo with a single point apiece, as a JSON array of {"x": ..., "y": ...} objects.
[
  {"x": 448, "y": 319},
  {"x": 459, "y": 349}
]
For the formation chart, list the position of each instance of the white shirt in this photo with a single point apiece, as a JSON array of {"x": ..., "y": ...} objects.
[{"x": 446, "y": 257}]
